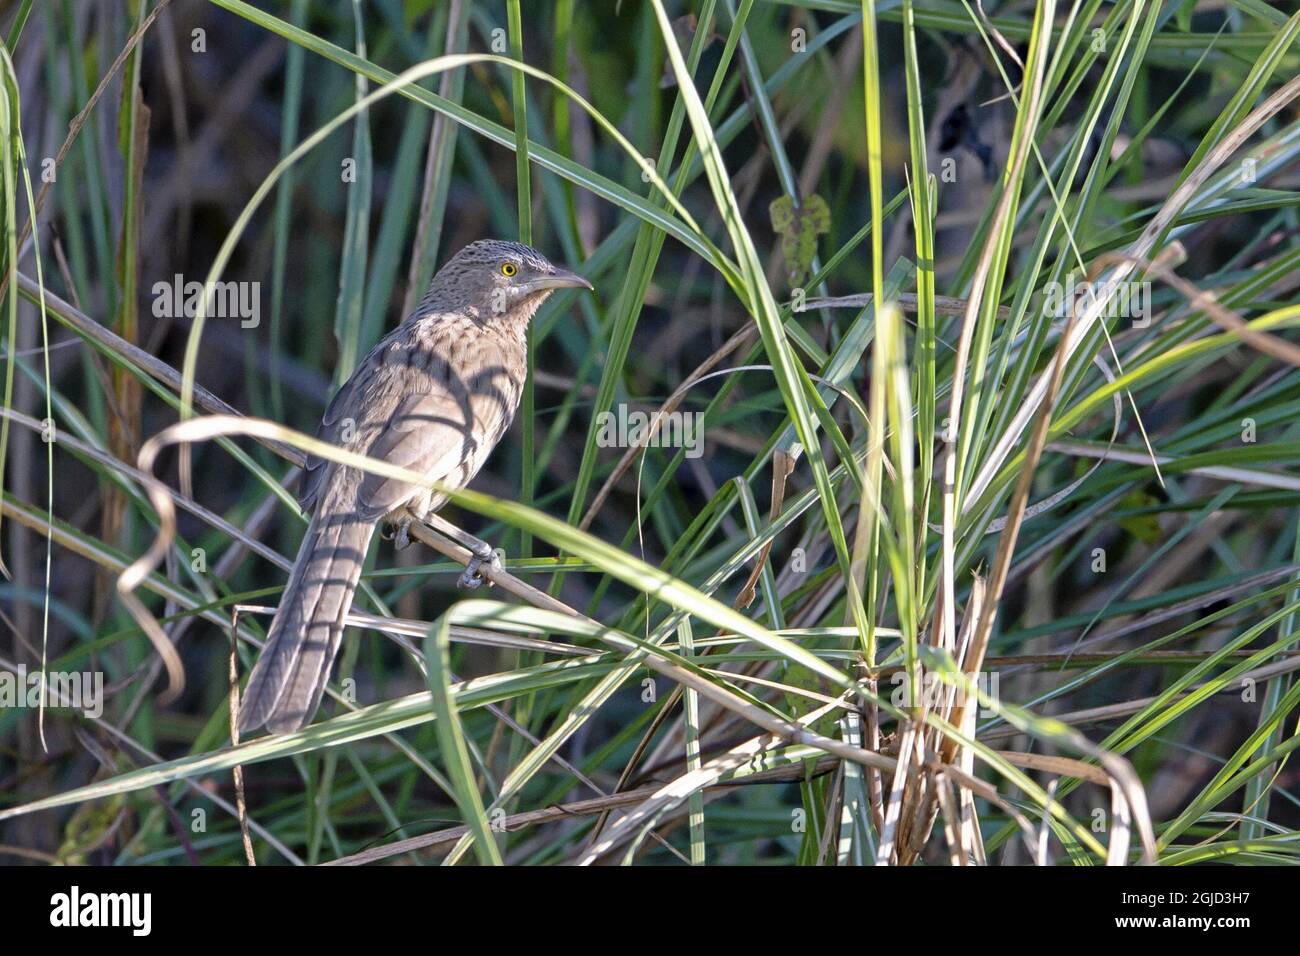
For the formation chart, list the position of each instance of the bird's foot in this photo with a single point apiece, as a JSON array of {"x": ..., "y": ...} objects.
[
  {"x": 473, "y": 576},
  {"x": 401, "y": 535}
]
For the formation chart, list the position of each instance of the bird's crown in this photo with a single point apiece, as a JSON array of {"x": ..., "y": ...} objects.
[{"x": 494, "y": 251}]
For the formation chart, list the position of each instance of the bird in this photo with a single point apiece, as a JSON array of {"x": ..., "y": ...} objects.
[{"x": 434, "y": 396}]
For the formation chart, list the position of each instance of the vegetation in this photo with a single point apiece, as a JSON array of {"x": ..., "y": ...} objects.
[{"x": 986, "y": 548}]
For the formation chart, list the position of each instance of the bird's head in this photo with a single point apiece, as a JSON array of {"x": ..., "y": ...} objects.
[{"x": 498, "y": 280}]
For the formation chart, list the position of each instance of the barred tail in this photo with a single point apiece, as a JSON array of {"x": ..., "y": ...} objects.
[{"x": 290, "y": 676}]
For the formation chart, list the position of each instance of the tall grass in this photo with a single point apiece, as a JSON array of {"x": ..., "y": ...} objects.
[{"x": 968, "y": 572}]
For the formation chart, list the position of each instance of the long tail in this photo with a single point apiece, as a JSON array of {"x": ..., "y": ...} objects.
[{"x": 289, "y": 679}]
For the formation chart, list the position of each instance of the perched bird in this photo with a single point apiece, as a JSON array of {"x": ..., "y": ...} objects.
[{"x": 434, "y": 397}]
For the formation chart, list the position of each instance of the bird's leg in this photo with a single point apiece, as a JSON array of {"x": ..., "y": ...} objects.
[
  {"x": 472, "y": 577},
  {"x": 401, "y": 533},
  {"x": 481, "y": 552}
]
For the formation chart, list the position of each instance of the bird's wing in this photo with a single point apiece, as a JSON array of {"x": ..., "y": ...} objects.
[
  {"x": 315, "y": 470},
  {"x": 431, "y": 434},
  {"x": 422, "y": 416}
]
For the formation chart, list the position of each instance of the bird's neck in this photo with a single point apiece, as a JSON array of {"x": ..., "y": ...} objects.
[
  {"x": 510, "y": 326},
  {"x": 515, "y": 322}
]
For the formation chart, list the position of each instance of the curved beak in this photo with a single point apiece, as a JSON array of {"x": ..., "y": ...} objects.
[{"x": 559, "y": 279}]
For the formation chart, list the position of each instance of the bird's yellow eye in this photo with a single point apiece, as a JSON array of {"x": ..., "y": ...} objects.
[{"x": 508, "y": 269}]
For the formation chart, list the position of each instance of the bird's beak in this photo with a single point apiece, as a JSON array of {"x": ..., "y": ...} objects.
[{"x": 559, "y": 279}]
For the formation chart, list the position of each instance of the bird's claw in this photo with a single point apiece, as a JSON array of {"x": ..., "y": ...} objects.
[
  {"x": 402, "y": 536},
  {"x": 473, "y": 577}
]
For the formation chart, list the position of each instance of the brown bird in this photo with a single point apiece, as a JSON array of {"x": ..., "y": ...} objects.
[{"x": 434, "y": 397}]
